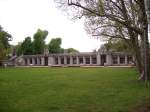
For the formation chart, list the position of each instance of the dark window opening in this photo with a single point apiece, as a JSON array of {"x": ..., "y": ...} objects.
[{"x": 122, "y": 59}]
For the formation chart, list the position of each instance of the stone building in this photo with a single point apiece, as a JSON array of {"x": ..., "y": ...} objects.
[{"x": 106, "y": 58}]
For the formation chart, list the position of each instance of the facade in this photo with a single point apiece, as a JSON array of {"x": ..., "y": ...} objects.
[{"x": 76, "y": 59}]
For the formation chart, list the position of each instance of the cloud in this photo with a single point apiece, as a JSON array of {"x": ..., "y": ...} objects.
[{"x": 22, "y": 18}]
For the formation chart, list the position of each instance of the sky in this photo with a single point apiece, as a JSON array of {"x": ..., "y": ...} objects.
[{"x": 22, "y": 18}]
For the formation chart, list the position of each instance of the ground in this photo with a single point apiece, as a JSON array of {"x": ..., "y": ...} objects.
[{"x": 72, "y": 90}]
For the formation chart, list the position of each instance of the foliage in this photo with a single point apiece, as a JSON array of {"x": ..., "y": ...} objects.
[
  {"x": 70, "y": 90},
  {"x": 39, "y": 41},
  {"x": 17, "y": 50},
  {"x": 37, "y": 46},
  {"x": 54, "y": 45},
  {"x": 72, "y": 50},
  {"x": 27, "y": 46},
  {"x": 4, "y": 43},
  {"x": 118, "y": 45}
]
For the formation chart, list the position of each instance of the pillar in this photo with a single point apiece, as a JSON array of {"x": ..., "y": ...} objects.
[
  {"x": 84, "y": 60},
  {"x": 133, "y": 59},
  {"x": 126, "y": 59},
  {"x": 59, "y": 60},
  {"x": 49, "y": 61},
  {"x": 28, "y": 61},
  {"x": 38, "y": 61},
  {"x": 65, "y": 60},
  {"x": 118, "y": 60},
  {"x": 71, "y": 60},
  {"x": 91, "y": 60},
  {"x": 108, "y": 59},
  {"x": 33, "y": 61},
  {"x": 77, "y": 59},
  {"x": 98, "y": 59},
  {"x": 42, "y": 61}
]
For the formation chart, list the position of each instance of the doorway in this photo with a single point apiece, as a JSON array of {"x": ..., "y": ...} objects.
[
  {"x": 103, "y": 59},
  {"x": 46, "y": 61}
]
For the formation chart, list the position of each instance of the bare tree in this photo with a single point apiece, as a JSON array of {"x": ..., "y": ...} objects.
[{"x": 110, "y": 19}]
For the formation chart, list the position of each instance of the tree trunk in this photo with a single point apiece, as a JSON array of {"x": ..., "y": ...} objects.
[
  {"x": 138, "y": 58},
  {"x": 147, "y": 65}
]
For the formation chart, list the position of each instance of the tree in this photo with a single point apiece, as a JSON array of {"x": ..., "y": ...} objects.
[
  {"x": 54, "y": 45},
  {"x": 17, "y": 50},
  {"x": 39, "y": 41},
  {"x": 26, "y": 47},
  {"x": 118, "y": 46},
  {"x": 72, "y": 50},
  {"x": 115, "y": 19},
  {"x": 4, "y": 43}
]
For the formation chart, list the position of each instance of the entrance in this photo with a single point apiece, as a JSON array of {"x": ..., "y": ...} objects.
[
  {"x": 46, "y": 61},
  {"x": 103, "y": 60}
]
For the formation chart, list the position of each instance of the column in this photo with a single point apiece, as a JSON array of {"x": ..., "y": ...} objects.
[
  {"x": 23, "y": 62},
  {"x": 49, "y": 61},
  {"x": 28, "y": 61},
  {"x": 133, "y": 58},
  {"x": 126, "y": 59},
  {"x": 65, "y": 60},
  {"x": 91, "y": 60},
  {"x": 98, "y": 59},
  {"x": 42, "y": 61},
  {"x": 84, "y": 60},
  {"x": 108, "y": 59},
  {"x": 33, "y": 61},
  {"x": 77, "y": 59},
  {"x": 38, "y": 61},
  {"x": 118, "y": 59},
  {"x": 71, "y": 60},
  {"x": 59, "y": 60}
]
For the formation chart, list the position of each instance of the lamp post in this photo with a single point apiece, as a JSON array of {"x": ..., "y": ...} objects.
[{"x": 145, "y": 26}]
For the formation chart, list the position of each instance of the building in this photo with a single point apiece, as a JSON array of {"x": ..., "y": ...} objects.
[{"x": 105, "y": 58}]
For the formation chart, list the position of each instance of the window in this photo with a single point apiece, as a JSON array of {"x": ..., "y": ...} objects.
[
  {"x": 87, "y": 60},
  {"x": 80, "y": 60},
  {"x": 62, "y": 60},
  {"x": 74, "y": 60},
  {"x": 129, "y": 59},
  {"x": 115, "y": 59},
  {"x": 30, "y": 60},
  {"x": 122, "y": 59},
  {"x": 94, "y": 60},
  {"x": 56, "y": 60},
  {"x": 68, "y": 60},
  {"x": 35, "y": 60}
]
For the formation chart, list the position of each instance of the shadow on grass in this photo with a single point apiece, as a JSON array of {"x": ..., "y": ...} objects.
[{"x": 143, "y": 106}]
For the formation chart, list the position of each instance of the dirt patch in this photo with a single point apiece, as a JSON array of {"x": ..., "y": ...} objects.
[{"x": 143, "y": 106}]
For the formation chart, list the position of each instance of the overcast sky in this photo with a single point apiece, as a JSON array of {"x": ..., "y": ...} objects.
[{"x": 22, "y": 18}]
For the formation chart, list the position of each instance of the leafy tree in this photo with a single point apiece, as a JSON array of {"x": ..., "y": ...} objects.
[
  {"x": 55, "y": 46},
  {"x": 17, "y": 50},
  {"x": 39, "y": 41},
  {"x": 118, "y": 46},
  {"x": 26, "y": 47},
  {"x": 4, "y": 43},
  {"x": 72, "y": 50}
]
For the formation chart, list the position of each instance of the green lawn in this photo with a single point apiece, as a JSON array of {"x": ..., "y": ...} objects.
[{"x": 70, "y": 90}]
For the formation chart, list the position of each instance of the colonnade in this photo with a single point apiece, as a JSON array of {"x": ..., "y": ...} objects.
[
  {"x": 73, "y": 60},
  {"x": 76, "y": 60}
]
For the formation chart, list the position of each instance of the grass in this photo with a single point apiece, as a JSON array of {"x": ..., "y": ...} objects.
[{"x": 70, "y": 90}]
